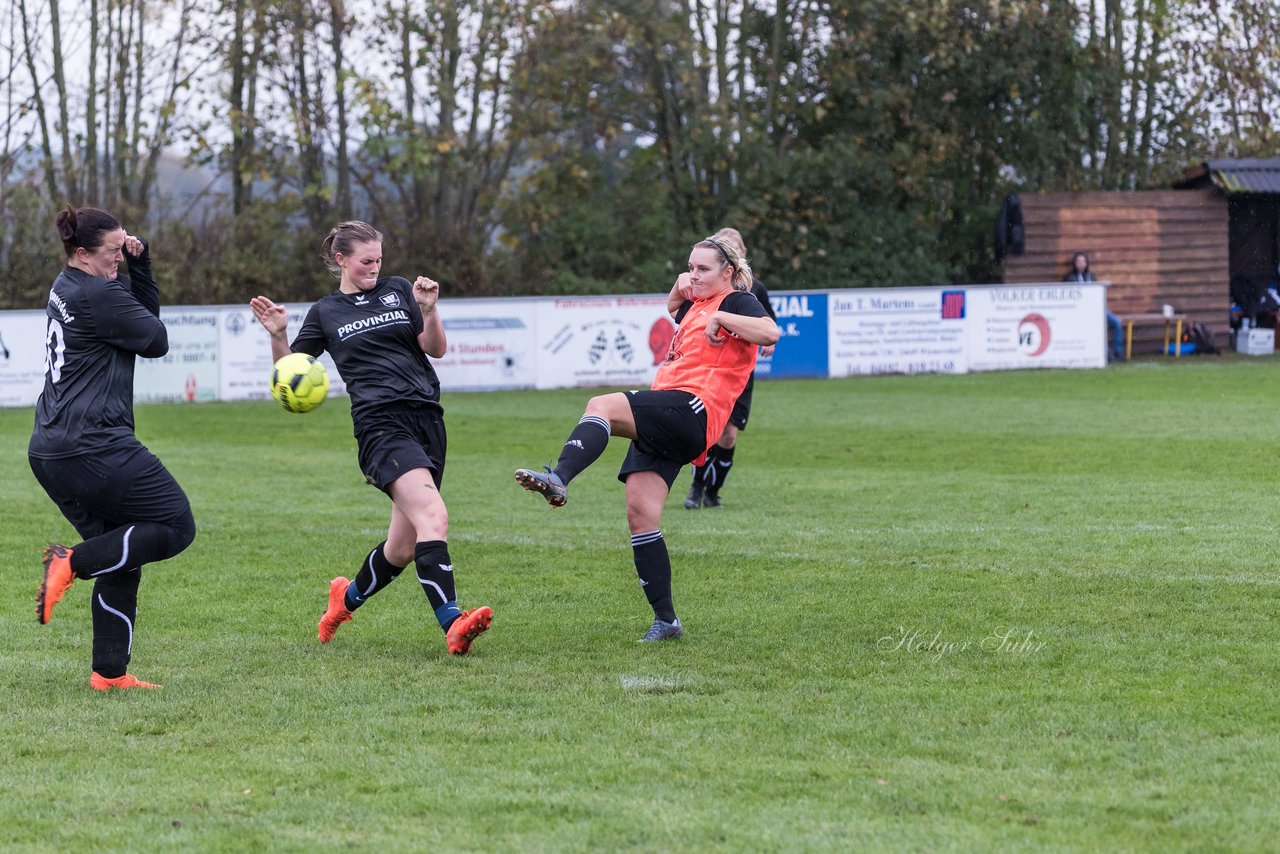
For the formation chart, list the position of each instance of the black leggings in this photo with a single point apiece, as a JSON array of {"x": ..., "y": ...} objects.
[{"x": 130, "y": 511}]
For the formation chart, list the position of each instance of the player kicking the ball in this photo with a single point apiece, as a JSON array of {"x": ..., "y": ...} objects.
[
  {"x": 720, "y": 328},
  {"x": 380, "y": 332}
]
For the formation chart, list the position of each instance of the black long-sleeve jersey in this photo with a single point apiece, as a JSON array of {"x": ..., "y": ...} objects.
[
  {"x": 760, "y": 292},
  {"x": 373, "y": 338},
  {"x": 95, "y": 330}
]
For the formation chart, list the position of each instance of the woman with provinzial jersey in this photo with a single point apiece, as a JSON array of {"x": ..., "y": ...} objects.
[
  {"x": 720, "y": 328},
  {"x": 83, "y": 451},
  {"x": 380, "y": 332}
]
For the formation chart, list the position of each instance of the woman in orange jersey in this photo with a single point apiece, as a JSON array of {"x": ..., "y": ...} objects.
[{"x": 720, "y": 328}]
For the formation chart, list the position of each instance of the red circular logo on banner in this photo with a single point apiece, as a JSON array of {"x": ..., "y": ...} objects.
[{"x": 1033, "y": 334}]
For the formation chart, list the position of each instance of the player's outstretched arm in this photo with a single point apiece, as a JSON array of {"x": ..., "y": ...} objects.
[
  {"x": 756, "y": 330},
  {"x": 275, "y": 319}
]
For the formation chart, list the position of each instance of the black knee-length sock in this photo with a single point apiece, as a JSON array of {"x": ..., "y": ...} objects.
[
  {"x": 721, "y": 463},
  {"x": 583, "y": 447},
  {"x": 114, "y": 607},
  {"x": 653, "y": 565},
  {"x": 435, "y": 573},
  {"x": 375, "y": 573}
]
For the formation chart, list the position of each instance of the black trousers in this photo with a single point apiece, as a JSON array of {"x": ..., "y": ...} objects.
[{"x": 129, "y": 511}]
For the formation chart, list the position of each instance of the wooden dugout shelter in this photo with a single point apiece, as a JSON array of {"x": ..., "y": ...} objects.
[
  {"x": 1252, "y": 188},
  {"x": 1157, "y": 248}
]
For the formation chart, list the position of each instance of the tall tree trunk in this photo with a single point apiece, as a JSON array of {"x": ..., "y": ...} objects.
[
  {"x": 1150, "y": 88},
  {"x": 124, "y": 34},
  {"x": 409, "y": 130},
  {"x": 773, "y": 76},
  {"x": 449, "y": 54},
  {"x": 107, "y": 166},
  {"x": 236, "y": 96},
  {"x": 718, "y": 168},
  {"x": 42, "y": 120},
  {"x": 337, "y": 32},
  {"x": 175, "y": 81},
  {"x": 70, "y": 177},
  {"x": 91, "y": 112}
]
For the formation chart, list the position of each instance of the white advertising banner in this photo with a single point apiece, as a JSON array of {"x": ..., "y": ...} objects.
[
  {"x": 606, "y": 340},
  {"x": 897, "y": 331},
  {"x": 491, "y": 344},
  {"x": 223, "y": 353},
  {"x": 22, "y": 357},
  {"x": 1060, "y": 325},
  {"x": 246, "y": 354},
  {"x": 189, "y": 371}
]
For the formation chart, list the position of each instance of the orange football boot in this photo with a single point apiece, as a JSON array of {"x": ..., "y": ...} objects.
[
  {"x": 336, "y": 614},
  {"x": 471, "y": 625},
  {"x": 54, "y": 582},
  {"x": 102, "y": 683}
]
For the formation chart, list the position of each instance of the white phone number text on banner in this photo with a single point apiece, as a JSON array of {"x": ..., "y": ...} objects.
[{"x": 898, "y": 331}]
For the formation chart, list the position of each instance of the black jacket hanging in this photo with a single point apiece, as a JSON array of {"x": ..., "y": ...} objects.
[{"x": 1010, "y": 236}]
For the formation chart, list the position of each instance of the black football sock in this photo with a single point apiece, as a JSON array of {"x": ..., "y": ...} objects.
[
  {"x": 653, "y": 565},
  {"x": 583, "y": 447},
  {"x": 722, "y": 462},
  {"x": 375, "y": 573},
  {"x": 704, "y": 474},
  {"x": 114, "y": 606},
  {"x": 435, "y": 573},
  {"x": 131, "y": 546}
]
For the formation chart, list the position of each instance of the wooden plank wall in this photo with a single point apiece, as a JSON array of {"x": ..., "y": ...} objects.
[{"x": 1155, "y": 247}]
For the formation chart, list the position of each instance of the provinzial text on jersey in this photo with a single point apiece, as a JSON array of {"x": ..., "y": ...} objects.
[{"x": 365, "y": 323}]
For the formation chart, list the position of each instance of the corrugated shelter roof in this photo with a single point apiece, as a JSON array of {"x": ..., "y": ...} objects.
[{"x": 1254, "y": 175}]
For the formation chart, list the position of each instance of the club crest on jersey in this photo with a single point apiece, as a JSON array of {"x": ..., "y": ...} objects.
[
  {"x": 361, "y": 299},
  {"x": 390, "y": 300}
]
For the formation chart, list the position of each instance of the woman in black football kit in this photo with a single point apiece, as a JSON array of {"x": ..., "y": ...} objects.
[
  {"x": 83, "y": 450},
  {"x": 380, "y": 332}
]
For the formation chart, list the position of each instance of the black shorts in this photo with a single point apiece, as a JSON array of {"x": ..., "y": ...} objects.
[
  {"x": 742, "y": 406},
  {"x": 672, "y": 426},
  {"x": 393, "y": 442},
  {"x": 103, "y": 490}
]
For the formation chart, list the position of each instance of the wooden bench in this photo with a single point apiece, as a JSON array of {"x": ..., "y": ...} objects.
[{"x": 1172, "y": 323}]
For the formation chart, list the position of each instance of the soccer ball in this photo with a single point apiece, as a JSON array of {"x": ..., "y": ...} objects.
[{"x": 299, "y": 382}]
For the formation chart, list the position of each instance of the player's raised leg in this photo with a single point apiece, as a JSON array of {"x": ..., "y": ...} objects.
[{"x": 605, "y": 416}]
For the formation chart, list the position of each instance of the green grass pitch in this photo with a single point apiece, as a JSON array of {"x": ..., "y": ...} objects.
[{"x": 1027, "y": 610}]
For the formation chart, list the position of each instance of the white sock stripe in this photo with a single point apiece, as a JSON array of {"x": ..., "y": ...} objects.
[
  {"x": 436, "y": 587},
  {"x": 124, "y": 559},
  {"x": 129, "y": 623},
  {"x": 602, "y": 423},
  {"x": 373, "y": 574},
  {"x": 645, "y": 538}
]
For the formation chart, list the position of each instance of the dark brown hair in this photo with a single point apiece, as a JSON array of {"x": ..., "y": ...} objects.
[
  {"x": 83, "y": 228},
  {"x": 342, "y": 238}
]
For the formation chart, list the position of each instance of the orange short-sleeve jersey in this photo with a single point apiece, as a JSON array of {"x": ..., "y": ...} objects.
[{"x": 717, "y": 375}]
